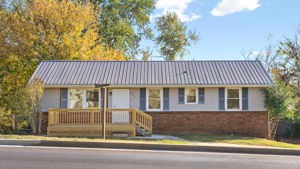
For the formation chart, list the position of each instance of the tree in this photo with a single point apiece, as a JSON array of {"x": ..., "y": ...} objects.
[
  {"x": 281, "y": 103},
  {"x": 52, "y": 30},
  {"x": 173, "y": 38},
  {"x": 36, "y": 30},
  {"x": 282, "y": 99},
  {"x": 6, "y": 121},
  {"x": 123, "y": 23},
  {"x": 2, "y": 4},
  {"x": 35, "y": 91},
  {"x": 146, "y": 54},
  {"x": 289, "y": 71}
]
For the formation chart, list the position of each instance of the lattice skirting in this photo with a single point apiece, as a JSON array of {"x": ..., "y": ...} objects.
[{"x": 90, "y": 131}]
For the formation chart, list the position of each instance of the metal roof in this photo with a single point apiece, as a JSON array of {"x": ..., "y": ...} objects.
[{"x": 247, "y": 72}]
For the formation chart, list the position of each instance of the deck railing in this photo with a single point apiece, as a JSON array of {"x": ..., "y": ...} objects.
[{"x": 95, "y": 117}]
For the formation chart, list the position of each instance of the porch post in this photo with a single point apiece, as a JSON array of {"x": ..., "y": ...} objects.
[
  {"x": 104, "y": 112},
  {"x": 104, "y": 106}
]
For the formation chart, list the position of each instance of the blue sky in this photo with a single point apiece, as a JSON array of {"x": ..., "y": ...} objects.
[{"x": 229, "y": 27}]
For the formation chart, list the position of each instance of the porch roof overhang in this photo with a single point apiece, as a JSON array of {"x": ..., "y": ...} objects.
[{"x": 101, "y": 85}]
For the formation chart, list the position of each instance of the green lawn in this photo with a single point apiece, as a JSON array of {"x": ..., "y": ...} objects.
[
  {"x": 189, "y": 140},
  {"x": 232, "y": 139}
]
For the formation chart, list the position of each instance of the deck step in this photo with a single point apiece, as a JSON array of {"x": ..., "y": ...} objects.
[{"x": 120, "y": 135}]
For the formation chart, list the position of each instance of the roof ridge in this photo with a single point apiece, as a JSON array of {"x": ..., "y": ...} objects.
[{"x": 150, "y": 61}]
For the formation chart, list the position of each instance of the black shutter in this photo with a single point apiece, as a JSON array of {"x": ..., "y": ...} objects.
[
  {"x": 166, "y": 98},
  {"x": 201, "y": 95},
  {"x": 180, "y": 95},
  {"x": 63, "y": 98},
  {"x": 245, "y": 98},
  {"x": 221, "y": 98},
  {"x": 142, "y": 98}
]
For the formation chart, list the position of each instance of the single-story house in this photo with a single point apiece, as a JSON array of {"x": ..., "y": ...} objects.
[{"x": 172, "y": 97}]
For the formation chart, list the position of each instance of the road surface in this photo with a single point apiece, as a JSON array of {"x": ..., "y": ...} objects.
[{"x": 14, "y": 157}]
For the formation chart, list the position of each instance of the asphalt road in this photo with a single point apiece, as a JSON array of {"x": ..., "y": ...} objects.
[{"x": 77, "y": 158}]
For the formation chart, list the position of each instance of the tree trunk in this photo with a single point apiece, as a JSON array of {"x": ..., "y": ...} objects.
[
  {"x": 34, "y": 123},
  {"x": 14, "y": 122},
  {"x": 273, "y": 128},
  {"x": 40, "y": 123}
]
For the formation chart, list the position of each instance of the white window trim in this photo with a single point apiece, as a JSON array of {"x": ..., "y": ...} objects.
[
  {"x": 161, "y": 99},
  {"x": 240, "y": 99},
  {"x": 185, "y": 95},
  {"x": 84, "y": 103}
]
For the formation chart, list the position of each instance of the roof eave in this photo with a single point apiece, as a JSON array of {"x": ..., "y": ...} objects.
[{"x": 160, "y": 85}]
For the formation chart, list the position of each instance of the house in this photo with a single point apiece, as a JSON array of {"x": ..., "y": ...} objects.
[{"x": 163, "y": 97}]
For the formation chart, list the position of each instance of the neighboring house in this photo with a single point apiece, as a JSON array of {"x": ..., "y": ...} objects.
[{"x": 182, "y": 97}]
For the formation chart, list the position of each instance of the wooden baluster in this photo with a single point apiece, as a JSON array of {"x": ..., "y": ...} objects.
[
  {"x": 92, "y": 117},
  {"x": 50, "y": 118},
  {"x": 133, "y": 117},
  {"x": 76, "y": 116},
  {"x": 63, "y": 116},
  {"x": 57, "y": 117},
  {"x": 79, "y": 117},
  {"x": 82, "y": 117},
  {"x": 61, "y": 119}
]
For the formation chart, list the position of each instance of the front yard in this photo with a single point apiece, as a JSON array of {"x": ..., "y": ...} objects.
[
  {"x": 183, "y": 139},
  {"x": 232, "y": 139}
]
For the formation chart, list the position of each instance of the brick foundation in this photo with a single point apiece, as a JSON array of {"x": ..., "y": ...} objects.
[{"x": 241, "y": 123}]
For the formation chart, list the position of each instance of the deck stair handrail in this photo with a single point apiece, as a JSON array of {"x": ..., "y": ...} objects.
[{"x": 143, "y": 120}]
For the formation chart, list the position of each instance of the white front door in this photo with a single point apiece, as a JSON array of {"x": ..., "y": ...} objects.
[{"x": 120, "y": 99}]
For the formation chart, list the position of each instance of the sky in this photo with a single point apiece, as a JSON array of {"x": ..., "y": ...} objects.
[{"x": 228, "y": 28}]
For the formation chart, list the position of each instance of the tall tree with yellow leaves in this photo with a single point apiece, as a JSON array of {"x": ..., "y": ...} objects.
[
  {"x": 36, "y": 30},
  {"x": 50, "y": 29}
]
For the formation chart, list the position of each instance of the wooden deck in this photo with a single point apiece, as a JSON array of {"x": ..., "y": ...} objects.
[{"x": 89, "y": 122}]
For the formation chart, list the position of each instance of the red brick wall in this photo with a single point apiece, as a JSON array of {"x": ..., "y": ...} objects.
[{"x": 240, "y": 123}]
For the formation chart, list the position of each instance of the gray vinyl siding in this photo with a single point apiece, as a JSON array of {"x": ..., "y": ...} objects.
[
  {"x": 50, "y": 99},
  {"x": 256, "y": 99},
  {"x": 134, "y": 96},
  {"x": 211, "y": 101},
  {"x": 109, "y": 98}
]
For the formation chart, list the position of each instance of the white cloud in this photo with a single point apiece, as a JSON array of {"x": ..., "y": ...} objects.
[
  {"x": 226, "y": 7},
  {"x": 177, "y": 6}
]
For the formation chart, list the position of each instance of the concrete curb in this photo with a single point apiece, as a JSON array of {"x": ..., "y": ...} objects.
[
  {"x": 19, "y": 142},
  {"x": 147, "y": 146}
]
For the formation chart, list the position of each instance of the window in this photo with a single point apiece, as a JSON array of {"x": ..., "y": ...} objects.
[
  {"x": 75, "y": 98},
  {"x": 191, "y": 95},
  {"x": 92, "y": 98},
  {"x": 154, "y": 99},
  {"x": 83, "y": 98},
  {"x": 233, "y": 100}
]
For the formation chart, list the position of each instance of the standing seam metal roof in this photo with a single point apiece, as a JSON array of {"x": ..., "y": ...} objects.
[{"x": 65, "y": 72}]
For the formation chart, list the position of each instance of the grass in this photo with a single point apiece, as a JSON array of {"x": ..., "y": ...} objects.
[
  {"x": 232, "y": 139},
  {"x": 189, "y": 140},
  {"x": 83, "y": 139}
]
